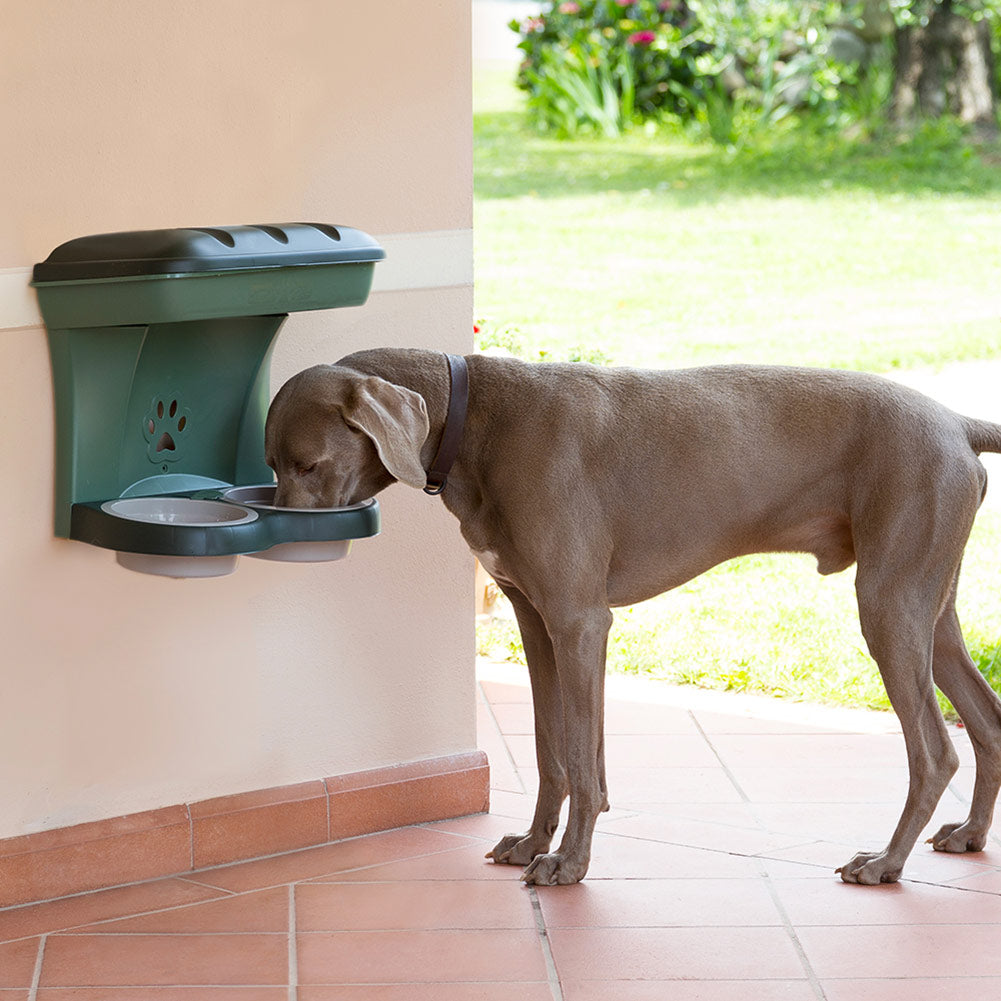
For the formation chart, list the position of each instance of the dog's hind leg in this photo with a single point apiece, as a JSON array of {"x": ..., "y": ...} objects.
[
  {"x": 980, "y": 709},
  {"x": 521, "y": 849},
  {"x": 898, "y": 611}
]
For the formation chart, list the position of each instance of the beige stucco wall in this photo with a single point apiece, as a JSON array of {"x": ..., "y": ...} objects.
[{"x": 122, "y": 692}]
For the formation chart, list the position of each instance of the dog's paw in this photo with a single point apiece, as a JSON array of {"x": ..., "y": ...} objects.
[
  {"x": 516, "y": 849},
  {"x": 870, "y": 868},
  {"x": 554, "y": 870},
  {"x": 958, "y": 838}
]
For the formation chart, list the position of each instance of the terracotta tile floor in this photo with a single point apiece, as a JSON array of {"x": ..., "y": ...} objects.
[{"x": 712, "y": 879}]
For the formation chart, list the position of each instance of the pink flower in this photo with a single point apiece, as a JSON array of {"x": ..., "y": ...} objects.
[
  {"x": 624, "y": 3},
  {"x": 642, "y": 37},
  {"x": 570, "y": 7},
  {"x": 532, "y": 24},
  {"x": 665, "y": 5}
]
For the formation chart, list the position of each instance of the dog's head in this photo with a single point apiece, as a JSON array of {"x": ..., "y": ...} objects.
[{"x": 336, "y": 437}]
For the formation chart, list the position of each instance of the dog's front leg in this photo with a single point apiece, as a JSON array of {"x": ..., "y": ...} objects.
[
  {"x": 521, "y": 849},
  {"x": 579, "y": 646}
]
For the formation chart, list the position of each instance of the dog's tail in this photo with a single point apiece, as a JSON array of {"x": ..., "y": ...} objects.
[{"x": 983, "y": 436}]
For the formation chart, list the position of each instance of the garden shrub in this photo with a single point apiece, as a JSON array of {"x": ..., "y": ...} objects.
[
  {"x": 593, "y": 64},
  {"x": 599, "y": 65}
]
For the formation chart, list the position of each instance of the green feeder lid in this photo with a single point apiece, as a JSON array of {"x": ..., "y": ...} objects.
[{"x": 208, "y": 249}]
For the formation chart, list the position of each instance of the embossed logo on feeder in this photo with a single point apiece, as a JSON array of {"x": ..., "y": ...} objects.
[
  {"x": 294, "y": 289},
  {"x": 165, "y": 427}
]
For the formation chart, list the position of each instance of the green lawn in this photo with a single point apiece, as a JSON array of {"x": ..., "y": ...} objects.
[{"x": 659, "y": 252}]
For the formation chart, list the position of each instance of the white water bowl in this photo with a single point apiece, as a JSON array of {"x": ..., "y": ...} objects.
[
  {"x": 312, "y": 551},
  {"x": 177, "y": 566},
  {"x": 305, "y": 552},
  {"x": 179, "y": 511},
  {"x": 262, "y": 495}
]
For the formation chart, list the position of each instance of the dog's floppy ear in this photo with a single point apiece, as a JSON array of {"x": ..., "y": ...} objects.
[{"x": 396, "y": 419}]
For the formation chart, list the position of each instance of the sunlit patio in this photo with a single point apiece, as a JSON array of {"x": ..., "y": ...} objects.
[{"x": 712, "y": 878}]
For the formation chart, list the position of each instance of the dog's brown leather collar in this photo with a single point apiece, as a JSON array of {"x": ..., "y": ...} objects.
[{"x": 448, "y": 447}]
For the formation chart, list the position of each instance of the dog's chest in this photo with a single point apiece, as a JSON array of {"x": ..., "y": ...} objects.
[{"x": 490, "y": 562}]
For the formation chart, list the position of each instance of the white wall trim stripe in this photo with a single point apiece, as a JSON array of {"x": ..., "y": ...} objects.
[
  {"x": 434, "y": 259},
  {"x": 425, "y": 260},
  {"x": 18, "y": 305}
]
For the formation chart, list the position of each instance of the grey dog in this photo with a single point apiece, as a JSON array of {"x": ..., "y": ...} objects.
[{"x": 582, "y": 488}]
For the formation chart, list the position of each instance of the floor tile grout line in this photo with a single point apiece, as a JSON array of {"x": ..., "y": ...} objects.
[
  {"x": 293, "y": 947},
  {"x": 737, "y": 786},
  {"x": 331, "y": 876},
  {"x": 297, "y": 851},
  {"x": 950, "y": 885},
  {"x": 326, "y": 932},
  {"x": 721, "y": 851},
  {"x": 731, "y": 778},
  {"x": 36, "y": 976},
  {"x": 790, "y": 931},
  {"x": 326, "y": 792},
  {"x": 129, "y": 915},
  {"x": 637, "y": 926},
  {"x": 274, "y": 933},
  {"x": 547, "y": 948},
  {"x": 118, "y": 989},
  {"x": 435, "y": 825},
  {"x": 110, "y": 889},
  {"x": 209, "y": 886},
  {"x": 191, "y": 835},
  {"x": 716, "y": 824},
  {"x": 503, "y": 738}
]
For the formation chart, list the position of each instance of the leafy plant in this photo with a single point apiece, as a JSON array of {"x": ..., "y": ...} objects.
[
  {"x": 580, "y": 88},
  {"x": 594, "y": 65},
  {"x": 730, "y": 67},
  {"x": 507, "y": 340}
]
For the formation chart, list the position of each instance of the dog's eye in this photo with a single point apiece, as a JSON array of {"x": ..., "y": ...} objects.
[{"x": 305, "y": 470}]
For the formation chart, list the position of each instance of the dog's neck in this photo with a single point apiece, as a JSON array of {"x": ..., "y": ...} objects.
[
  {"x": 455, "y": 420},
  {"x": 424, "y": 372}
]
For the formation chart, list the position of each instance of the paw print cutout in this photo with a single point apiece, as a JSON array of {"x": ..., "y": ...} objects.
[{"x": 164, "y": 427}]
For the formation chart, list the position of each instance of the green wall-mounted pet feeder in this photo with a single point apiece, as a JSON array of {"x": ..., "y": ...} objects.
[{"x": 161, "y": 345}]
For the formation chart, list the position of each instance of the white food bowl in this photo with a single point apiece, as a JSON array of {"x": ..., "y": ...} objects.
[
  {"x": 179, "y": 511},
  {"x": 312, "y": 551}
]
